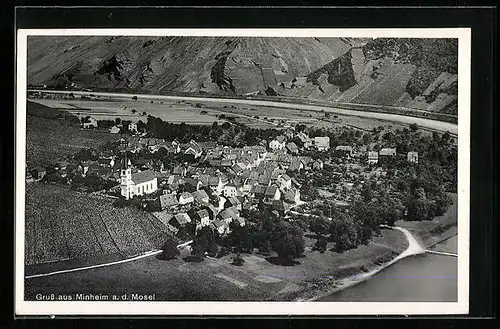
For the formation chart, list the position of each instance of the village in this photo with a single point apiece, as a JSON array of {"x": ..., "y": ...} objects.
[{"x": 209, "y": 184}]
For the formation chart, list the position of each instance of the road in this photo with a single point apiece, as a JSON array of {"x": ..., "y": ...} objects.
[{"x": 426, "y": 123}]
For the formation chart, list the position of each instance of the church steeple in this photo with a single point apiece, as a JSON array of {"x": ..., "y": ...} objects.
[{"x": 126, "y": 178}]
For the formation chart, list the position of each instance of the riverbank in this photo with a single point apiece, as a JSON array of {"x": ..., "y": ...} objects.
[
  {"x": 421, "y": 236},
  {"x": 430, "y": 232},
  {"x": 414, "y": 248}
]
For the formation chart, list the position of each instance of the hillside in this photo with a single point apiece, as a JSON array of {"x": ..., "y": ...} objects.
[
  {"x": 63, "y": 224},
  {"x": 52, "y": 134},
  {"x": 413, "y": 73}
]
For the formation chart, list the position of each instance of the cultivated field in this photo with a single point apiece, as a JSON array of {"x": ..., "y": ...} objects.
[
  {"x": 105, "y": 109},
  {"x": 63, "y": 224},
  {"x": 48, "y": 139}
]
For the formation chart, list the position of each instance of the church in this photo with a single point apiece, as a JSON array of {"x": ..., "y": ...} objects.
[{"x": 139, "y": 183}]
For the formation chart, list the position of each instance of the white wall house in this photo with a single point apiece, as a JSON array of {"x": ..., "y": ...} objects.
[
  {"x": 132, "y": 127},
  {"x": 322, "y": 143},
  {"x": 140, "y": 183}
]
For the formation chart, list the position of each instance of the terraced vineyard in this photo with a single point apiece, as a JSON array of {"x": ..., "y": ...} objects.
[{"x": 63, "y": 224}]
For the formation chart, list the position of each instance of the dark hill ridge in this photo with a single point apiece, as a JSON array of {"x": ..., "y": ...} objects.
[{"x": 412, "y": 73}]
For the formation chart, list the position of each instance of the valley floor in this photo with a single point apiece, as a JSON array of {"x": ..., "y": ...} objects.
[{"x": 216, "y": 279}]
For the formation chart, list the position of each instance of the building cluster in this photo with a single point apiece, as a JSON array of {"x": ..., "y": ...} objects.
[
  {"x": 210, "y": 184},
  {"x": 225, "y": 183}
]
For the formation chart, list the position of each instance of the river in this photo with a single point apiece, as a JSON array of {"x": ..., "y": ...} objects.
[{"x": 421, "y": 278}]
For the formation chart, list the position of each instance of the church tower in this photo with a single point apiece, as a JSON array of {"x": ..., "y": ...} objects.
[{"x": 126, "y": 179}]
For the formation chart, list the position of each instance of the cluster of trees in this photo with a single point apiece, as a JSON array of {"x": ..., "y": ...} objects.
[
  {"x": 264, "y": 230},
  {"x": 91, "y": 183},
  {"x": 232, "y": 134}
]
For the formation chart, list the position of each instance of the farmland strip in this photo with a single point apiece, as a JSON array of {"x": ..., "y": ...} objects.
[{"x": 95, "y": 233}]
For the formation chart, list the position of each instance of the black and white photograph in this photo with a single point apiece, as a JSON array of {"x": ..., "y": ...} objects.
[{"x": 304, "y": 171}]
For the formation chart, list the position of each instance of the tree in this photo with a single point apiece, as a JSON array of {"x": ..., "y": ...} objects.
[
  {"x": 170, "y": 250},
  {"x": 320, "y": 244},
  {"x": 319, "y": 225},
  {"x": 134, "y": 98},
  {"x": 344, "y": 232},
  {"x": 204, "y": 241},
  {"x": 287, "y": 241},
  {"x": 241, "y": 239},
  {"x": 418, "y": 209},
  {"x": 413, "y": 127}
]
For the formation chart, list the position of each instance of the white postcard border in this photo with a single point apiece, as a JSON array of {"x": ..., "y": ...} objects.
[{"x": 23, "y": 307}]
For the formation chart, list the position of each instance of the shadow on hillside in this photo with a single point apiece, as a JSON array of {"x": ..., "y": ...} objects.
[
  {"x": 282, "y": 262},
  {"x": 193, "y": 259}
]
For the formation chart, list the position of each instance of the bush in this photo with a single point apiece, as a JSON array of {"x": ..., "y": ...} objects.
[
  {"x": 238, "y": 261},
  {"x": 320, "y": 244},
  {"x": 170, "y": 250}
]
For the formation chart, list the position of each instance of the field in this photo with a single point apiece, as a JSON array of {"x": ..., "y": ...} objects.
[
  {"x": 105, "y": 109},
  {"x": 48, "y": 139},
  {"x": 63, "y": 224}
]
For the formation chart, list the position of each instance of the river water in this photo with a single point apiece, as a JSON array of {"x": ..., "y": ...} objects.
[{"x": 421, "y": 278}]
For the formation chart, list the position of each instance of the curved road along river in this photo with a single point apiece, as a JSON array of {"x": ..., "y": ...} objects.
[{"x": 427, "y": 123}]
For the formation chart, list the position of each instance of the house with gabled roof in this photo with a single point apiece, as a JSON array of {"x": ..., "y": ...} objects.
[
  {"x": 412, "y": 156},
  {"x": 179, "y": 170},
  {"x": 216, "y": 184},
  {"x": 235, "y": 202},
  {"x": 168, "y": 201},
  {"x": 264, "y": 179},
  {"x": 212, "y": 210},
  {"x": 230, "y": 212},
  {"x": 258, "y": 191},
  {"x": 292, "y": 148},
  {"x": 318, "y": 164},
  {"x": 285, "y": 181},
  {"x": 202, "y": 217},
  {"x": 200, "y": 196},
  {"x": 304, "y": 138},
  {"x": 343, "y": 151},
  {"x": 185, "y": 198},
  {"x": 272, "y": 192},
  {"x": 239, "y": 221},
  {"x": 387, "y": 151},
  {"x": 193, "y": 151},
  {"x": 220, "y": 226},
  {"x": 277, "y": 143},
  {"x": 192, "y": 184},
  {"x": 179, "y": 220},
  {"x": 296, "y": 164},
  {"x": 292, "y": 195},
  {"x": 231, "y": 190}
]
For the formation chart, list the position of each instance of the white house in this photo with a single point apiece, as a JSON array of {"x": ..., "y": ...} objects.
[
  {"x": 132, "y": 127},
  {"x": 139, "y": 183},
  {"x": 186, "y": 198},
  {"x": 372, "y": 157},
  {"x": 412, "y": 157},
  {"x": 278, "y": 143},
  {"x": 322, "y": 143},
  {"x": 92, "y": 123},
  {"x": 285, "y": 181},
  {"x": 230, "y": 191},
  {"x": 114, "y": 130},
  {"x": 304, "y": 138}
]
